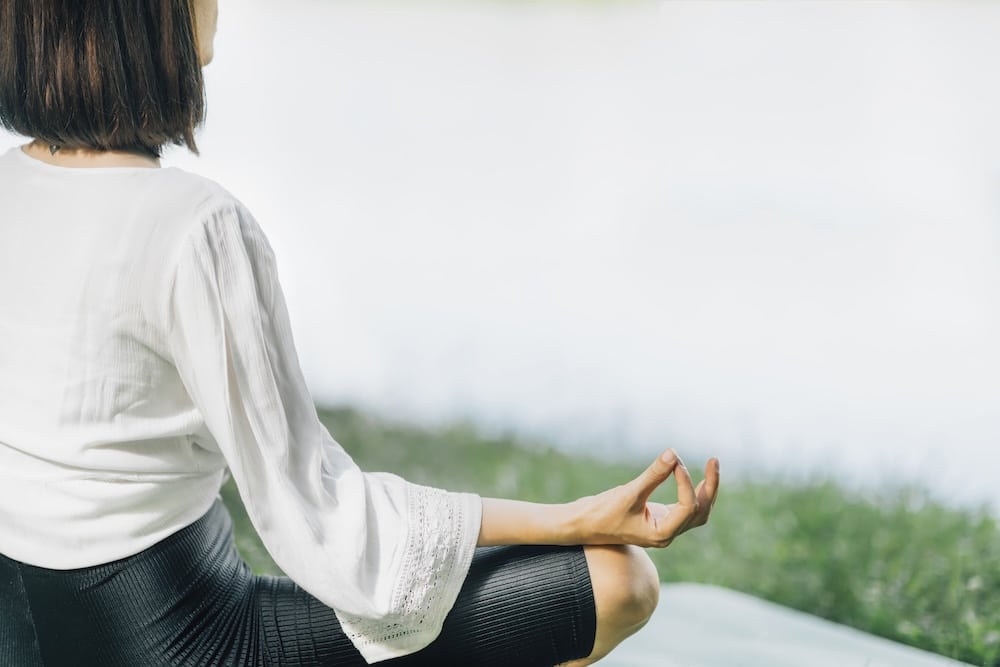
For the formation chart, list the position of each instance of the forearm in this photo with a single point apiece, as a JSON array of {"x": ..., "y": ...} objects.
[
  {"x": 519, "y": 522},
  {"x": 623, "y": 514}
]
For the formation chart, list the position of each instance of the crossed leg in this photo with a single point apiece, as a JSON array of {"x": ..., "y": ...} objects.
[{"x": 626, "y": 591}]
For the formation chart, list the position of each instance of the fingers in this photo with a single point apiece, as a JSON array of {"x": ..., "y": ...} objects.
[
  {"x": 711, "y": 481},
  {"x": 707, "y": 491},
  {"x": 693, "y": 506},
  {"x": 657, "y": 473},
  {"x": 685, "y": 488},
  {"x": 682, "y": 512}
]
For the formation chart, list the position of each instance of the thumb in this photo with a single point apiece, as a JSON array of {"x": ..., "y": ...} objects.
[{"x": 657, "y": 473}]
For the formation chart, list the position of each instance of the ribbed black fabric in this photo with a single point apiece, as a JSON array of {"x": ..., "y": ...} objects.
[
  {"x": 18, "y": 644},
  {"x": 190, "y": 601}
]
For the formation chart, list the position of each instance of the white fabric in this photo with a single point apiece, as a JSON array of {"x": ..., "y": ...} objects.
[{"x": 145, "y": 347}]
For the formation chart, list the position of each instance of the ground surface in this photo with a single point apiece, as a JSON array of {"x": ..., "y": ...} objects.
[{"x": 707, "y": 626}]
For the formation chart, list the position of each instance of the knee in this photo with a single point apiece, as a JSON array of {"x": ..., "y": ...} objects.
[{"x": 626, "y": 585}]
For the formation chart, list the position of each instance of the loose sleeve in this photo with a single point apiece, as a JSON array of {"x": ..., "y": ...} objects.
[{"x": 387, "y": 555}]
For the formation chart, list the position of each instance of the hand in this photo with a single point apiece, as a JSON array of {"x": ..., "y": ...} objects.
[{"x": 624, "y": 515}]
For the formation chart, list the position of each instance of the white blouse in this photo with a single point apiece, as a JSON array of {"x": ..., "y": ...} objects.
[{"x": 145, "y": 347}]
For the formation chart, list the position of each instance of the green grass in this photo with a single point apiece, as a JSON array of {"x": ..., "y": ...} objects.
[{"x": 896, "y": 565}]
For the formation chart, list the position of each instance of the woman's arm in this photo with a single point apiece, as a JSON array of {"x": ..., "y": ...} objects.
[
  {"x": 621, "y": 515},
  {"x": 387, "y": 555}
]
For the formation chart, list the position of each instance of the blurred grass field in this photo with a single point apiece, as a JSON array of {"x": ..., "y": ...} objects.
[{"x": 896, "y": 564}]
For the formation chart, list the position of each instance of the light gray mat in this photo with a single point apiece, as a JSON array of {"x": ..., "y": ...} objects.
[{"x": 707, "y": 626}]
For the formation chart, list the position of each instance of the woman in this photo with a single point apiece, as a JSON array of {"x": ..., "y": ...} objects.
[{"x": 145, "y": 349}]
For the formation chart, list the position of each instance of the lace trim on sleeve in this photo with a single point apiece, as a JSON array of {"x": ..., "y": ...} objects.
[{"x": 438, "y": 551}]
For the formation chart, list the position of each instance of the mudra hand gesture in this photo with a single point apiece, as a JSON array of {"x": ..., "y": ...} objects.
[
  {"x": 624, "y": 514},
  {"x": 620, "y": 515}
]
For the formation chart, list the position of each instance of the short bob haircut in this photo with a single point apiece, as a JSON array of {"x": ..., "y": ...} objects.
[{"x": 101, "y": 74}]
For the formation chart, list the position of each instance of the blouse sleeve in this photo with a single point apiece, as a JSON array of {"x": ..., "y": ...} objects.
[{"x": 387, "y": 555}]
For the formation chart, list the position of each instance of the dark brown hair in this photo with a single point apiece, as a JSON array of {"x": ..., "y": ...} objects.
[{"x": 101, "y": 74}]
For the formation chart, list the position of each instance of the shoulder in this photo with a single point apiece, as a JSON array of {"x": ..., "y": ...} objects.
[
  {"x": 186, "y": 197},
  {"x": 183, "y": 208},
  {"x": 195, "y": 226}
]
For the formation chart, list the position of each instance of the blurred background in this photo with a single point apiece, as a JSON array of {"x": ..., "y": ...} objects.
[{"x": 766, "y": 231}]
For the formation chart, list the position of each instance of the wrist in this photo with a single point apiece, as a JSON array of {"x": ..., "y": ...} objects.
[
  {"x": 573, "y": 522},
  {"x": 556, "y": 523}
]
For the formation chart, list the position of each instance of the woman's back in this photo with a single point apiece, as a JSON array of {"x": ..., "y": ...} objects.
[{"x": 95, "y": 423}]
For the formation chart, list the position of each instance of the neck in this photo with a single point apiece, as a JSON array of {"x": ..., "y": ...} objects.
[{"x": 84, "y": 157}]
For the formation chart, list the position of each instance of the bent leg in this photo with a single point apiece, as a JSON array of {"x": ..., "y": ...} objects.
[
  {"x": 626, "y": 591},
  {"x": 531, "y": 606}
]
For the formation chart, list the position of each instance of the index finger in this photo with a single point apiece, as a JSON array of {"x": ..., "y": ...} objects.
[
  {"x": 685, "y": 489},
  {"x": 682, "y": 513}
]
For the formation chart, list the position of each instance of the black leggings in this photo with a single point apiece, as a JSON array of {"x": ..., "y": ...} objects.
[{"x": 191, "y": 601}]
